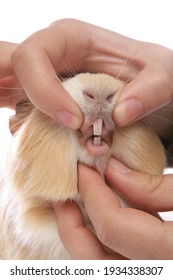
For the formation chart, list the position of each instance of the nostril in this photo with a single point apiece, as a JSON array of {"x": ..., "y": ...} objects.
[
  {"x": 88, "y": 95},
  {"x": 110, "y": 97}
]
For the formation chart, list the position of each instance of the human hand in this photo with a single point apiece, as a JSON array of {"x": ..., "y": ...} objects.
[
  {"x": 132, "y": 233},
  {"x": 71, "y": 46},
  {"x": 6, "y": 49},
  {"x": 64, "y": 48},
  {"x": 151, "y": 87}
]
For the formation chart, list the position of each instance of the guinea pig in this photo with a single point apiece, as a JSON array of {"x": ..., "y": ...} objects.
[{"x": 41, "y": 163}]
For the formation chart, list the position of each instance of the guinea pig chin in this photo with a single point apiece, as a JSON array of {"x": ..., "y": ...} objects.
[{"x": 96, "y": 136}]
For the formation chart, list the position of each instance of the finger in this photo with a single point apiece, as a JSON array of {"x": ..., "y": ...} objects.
[
  {"x": 6, "y": 50},
  {"x": 130, "y": 232},
  {"x": 147, "y": 92},
  {"x": 58, "y": 50},
  {"x": 32, "y": 62},
  {"x": 79, "y": 242},
  {"x": 149, "y": 192}
]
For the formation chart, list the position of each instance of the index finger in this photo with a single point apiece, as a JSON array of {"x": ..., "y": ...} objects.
[
  {"x": 78, "y": 240},
  {"x": 130, "y": 232},
  {"x": 6, "y": 50}
]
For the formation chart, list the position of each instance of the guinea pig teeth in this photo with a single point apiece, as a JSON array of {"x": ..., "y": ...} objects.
[
  {"x": 97, "y": 127},
  {"x": 97, "y": 141}
]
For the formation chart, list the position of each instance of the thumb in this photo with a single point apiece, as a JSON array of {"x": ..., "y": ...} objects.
[
  {"x": 150, "y": 192},
  {"x": 40, "y": 82},
  {"x": 147, "y": 92}
]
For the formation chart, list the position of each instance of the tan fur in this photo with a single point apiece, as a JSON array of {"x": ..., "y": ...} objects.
[
  {"x": 139, "y": 148},
  {"x": 38, "y": 174},
  {"x": 41, "y": 167}
]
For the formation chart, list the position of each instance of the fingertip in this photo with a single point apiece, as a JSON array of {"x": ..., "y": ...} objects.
[
  {"x": 115, "y": 165},
  {"x": 69, "y": 119},
  {"x": 66, "y": 207},
  {"x": 127, "y": 182},
  {"x": 140, "y": 189},
  {"x": 127, "y": 111},
  {"x": 41, "y": 83},
  {"x": 85, "y": 172}
]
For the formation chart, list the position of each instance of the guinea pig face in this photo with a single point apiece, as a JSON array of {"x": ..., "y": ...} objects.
[{"x": 96, "y": 95}]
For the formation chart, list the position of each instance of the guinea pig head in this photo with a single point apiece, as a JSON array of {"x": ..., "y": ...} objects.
[{"x": 96, "y": 95}]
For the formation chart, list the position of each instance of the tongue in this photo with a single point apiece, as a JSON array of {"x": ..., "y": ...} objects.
[{"x": 97, "y": 141}]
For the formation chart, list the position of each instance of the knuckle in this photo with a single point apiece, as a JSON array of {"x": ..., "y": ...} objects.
[
  {"x": 154, "y": 192},
  {"x": 155, "y": 183},
  {"x": 19, "y": 53}
]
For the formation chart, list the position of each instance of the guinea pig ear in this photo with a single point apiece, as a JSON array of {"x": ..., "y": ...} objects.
[
  {"x": 45, "y": 159},
  {"x": 23, "y": 109}
]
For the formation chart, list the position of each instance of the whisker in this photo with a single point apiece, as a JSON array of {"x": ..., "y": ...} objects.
[
  {"x": 60, "y": 78},
  {"x": 19, "y": 122},
  {"x": 16, "y": 88},
  {"x": 127, "y": 81},
  {"x": 9, "y": 97},
  {"x": 16, "y": 124},
  {"x": 158, "y": 117},
  {"x": 70, "y": 71},
  {"x": 126, "y": 60}
]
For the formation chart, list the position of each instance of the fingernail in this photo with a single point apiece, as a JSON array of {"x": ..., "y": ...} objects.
[
  {"x": 128, "y": 110},
  {"x": 68, "y": 119},
  {"x": 118, "y": 166}
]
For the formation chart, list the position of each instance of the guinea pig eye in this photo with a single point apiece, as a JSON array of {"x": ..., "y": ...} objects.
[{"x": 88, "y": 95}]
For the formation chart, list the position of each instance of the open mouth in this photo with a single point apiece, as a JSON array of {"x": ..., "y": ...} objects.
[
  {"x": 96, "y": 136},
  {"x": 96, "y": 144}
]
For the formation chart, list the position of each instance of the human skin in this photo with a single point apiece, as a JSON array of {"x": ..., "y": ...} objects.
[
  {"x": 69, "y": 46},
  {"x": 129, "y": 233},
  {"x": 10, "y": 88},
  {"x": 6, "y": 49}
]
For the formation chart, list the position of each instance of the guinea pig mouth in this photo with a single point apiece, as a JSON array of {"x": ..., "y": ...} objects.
[
  {"x": 98, "y": 142},
  {"x": 97, "y": 146},
  {"x": 96, "y": 136}
]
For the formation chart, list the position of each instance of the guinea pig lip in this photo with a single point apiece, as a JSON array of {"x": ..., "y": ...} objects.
[
  {"x": 102, "y": 140},
  {"x": 97, "y": 148},
  {"x": 105, "y": 138}
]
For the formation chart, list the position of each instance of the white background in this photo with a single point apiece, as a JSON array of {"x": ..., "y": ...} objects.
[{"x": 147, "y": 20}]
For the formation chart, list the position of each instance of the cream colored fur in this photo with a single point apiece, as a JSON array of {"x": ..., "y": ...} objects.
[{"x": 41, "y": 167}]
